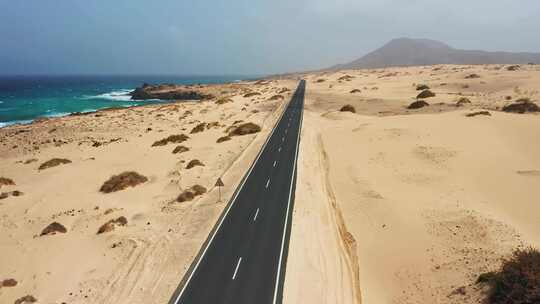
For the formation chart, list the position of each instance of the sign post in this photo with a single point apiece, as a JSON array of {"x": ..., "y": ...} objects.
[{"x": 219, "y": 184}]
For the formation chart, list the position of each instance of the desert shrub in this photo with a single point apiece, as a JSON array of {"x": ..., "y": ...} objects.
[
  {"x": 223, "y": 138},
  {"x": 191, "y": 193},
  {"x": 426, "y": 94},
  {"x": 462, "y": 101},
  {"x": 276, "y": 97},
  {"x": 223, "y": 101},
  {"x": 422, "y": 87},
  {"x": 418, "y": 104},
  {"x": 53, "y": 163},
  {"x": 521, "y": 106},
  {"x": 251, "y": 94},
  {"x": 244, "y": 129},
  {"x": 4, "y": 181},
  {"x": 180, "y": 149},
  {"x": 320, "y": 80},
  {"x": 194, "y": 163},
  {"x": 348, "y": 108},
  {"x": 355, "y": 91},
  {"x": 53, "y": 228},
  {"x": 472, "y": 76},
  {"x": 517, "y": 281},
  {"x": 122, "y": 181},
  {"x": 198, "y": 128},
  {"x": 486, "y": 113},
  {"x": 180, "y": 138},
  {"x": 111, "y": 224}
]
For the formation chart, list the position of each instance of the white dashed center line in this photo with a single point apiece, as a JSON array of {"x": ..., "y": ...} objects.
[
  {"x": 237, "y": 266},
  {"x": 267, "y": 183},
  {"x": 256, "y": 213},
  {"x": 279, "y": 150},
  {"x": 275, "y": 162}
]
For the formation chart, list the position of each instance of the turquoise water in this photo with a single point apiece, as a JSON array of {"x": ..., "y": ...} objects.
[{"x": 25, "y": 98}]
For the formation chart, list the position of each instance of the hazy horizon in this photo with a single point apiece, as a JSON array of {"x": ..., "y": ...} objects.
[{"x": 240, "y": 37}]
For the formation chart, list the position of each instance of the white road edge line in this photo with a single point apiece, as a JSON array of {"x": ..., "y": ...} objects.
[
  {"x": 230, "y": 206},
  {"x": 267, "y": 183},
  {"x": 256, "y": 213},
  {"x": 237, "y": 266},
  {"x": 288, "y": 207}
]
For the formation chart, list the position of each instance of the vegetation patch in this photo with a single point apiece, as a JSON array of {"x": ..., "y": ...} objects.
[
  {"x": 521, "y": 106},
  {"x": 223, "y": 138},
  {"x": 463, "y": 101},
  {"x": 244, "y": 129},
  {"x": 517, "y": 281},
  {"x": 180, "y": 149},
  {"x": 417, "y": 105},
  {"x": 53, "y": 163},
  {"x": 472, "y": 76},
  {"x": 348, "y": 108},
  {"x": 422, "y": 87},
  {"x": 425, "y": 94},
  {"x": 194, "y": 163},
  {"x": 111, "y": 225},
  {"x": 122, "y": 181},
  {"x": 4, "y": 181},
  {"x": 198, "y": 128},
  {"x": 176, "y": 139},
  {"x": 486, "y": 113},
  {"x": 251, "y": 94},
  {"x": 191, "y": 193},
  {"x": 276, "y": 97},
  {"x": 355, "y": 91},
  {"x": 53, "y": 228}
]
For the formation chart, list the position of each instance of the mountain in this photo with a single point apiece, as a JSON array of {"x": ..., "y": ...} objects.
[{"x": 409, "y": 52}]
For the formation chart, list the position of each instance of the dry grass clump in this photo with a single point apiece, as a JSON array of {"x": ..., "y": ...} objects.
[
  {"x": 8, "y": 283},
  {"x": 422, "y": 87},
  {"x": 425, "y": 94},
  {"x": 222, "y": 139},
  {"x": 25, "y": 300},
  {"x": 355, "y": 91},
  {"x": 472, "y": 76},
  {"x": 53, "y": 228},
  {"x": 53, "y": 163},
  {"x": 244, "y": 129},
  {"x": 283, "y": 90},
  {"x": 320, "y": 80},
  {"x": 223, "y": 100},
  {"x": 463, "y": 101},
  {"x": 4, "y": 181},
  {"x": 513, "y": 67},
  {"x": 417, "y": 105},
  {"x": 276, "y": 97},
  {"x": 194, "y": 163},
  {"x": 251, "y": 94},
  {"x": 473, "y": 114},
  {"x": 346, "y": 78},
  {"x": 198, "y": 128},
  {"x": 348, "y": 108},
  {"x": 110, "y": 225},
  {"x": 517, "y": 281},
  {"x": 180, "y": 149},
  {"x": 122, "y": 181},
  {"x": 191, "y": 193},
  {"x": 521, "y": 106},
  {"x": 179, "y": 138}
]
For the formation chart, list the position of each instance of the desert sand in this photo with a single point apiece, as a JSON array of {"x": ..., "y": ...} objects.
[
  {"x": 397, "y": 205},
  {"x": 151, "y": 238}
]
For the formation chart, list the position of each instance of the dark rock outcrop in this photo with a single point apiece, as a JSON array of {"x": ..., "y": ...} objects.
[{"x": 168, "y": 92}]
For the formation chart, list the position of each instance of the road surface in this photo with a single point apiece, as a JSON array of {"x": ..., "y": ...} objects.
[{"x": 244, "y": 259}]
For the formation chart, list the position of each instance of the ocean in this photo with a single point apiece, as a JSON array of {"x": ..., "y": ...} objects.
[{"x": 25, "y": 98}]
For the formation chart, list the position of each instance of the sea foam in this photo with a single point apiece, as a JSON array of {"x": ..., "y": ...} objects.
[{"x": 121, "y": 95}]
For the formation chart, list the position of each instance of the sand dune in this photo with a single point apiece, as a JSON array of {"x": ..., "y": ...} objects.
[
  {"x": 431, "y": 198},
  {"x": 147, "y": 238}
]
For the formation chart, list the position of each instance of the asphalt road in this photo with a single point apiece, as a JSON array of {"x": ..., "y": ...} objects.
[{"x": 244, "y": 259}]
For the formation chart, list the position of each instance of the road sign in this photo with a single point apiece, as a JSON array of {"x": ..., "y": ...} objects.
[{"x": 219, "y": 183}]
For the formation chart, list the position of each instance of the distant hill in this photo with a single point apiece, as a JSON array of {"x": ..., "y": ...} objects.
[{"x": 410, "y": 52}]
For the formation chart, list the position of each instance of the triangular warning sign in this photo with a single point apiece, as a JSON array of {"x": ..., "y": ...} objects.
[{"x": 219, "y": 183}]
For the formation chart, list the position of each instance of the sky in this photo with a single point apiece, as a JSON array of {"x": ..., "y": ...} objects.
[{"x": 243, "y": 37}]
